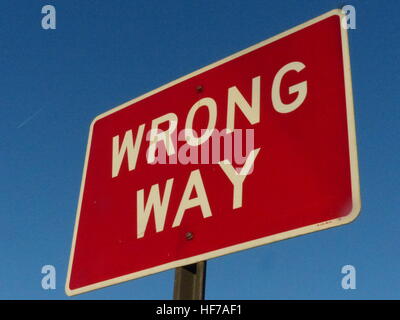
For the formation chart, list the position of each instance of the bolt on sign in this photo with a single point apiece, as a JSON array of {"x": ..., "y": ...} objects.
[{"x": 255, "y": 148}]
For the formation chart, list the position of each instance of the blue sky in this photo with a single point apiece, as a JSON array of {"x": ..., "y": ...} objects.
[{"x": 104, "y": 53}]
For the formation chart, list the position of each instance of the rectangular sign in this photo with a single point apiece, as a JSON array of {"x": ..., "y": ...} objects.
[{"x": 255, "y": 148}]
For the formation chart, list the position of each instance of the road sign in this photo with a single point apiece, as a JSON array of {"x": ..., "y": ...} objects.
[{"x": 255, "y": 148}]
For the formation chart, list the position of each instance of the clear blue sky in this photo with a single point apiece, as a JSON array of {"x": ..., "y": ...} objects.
[{"x": 104, "y": 53}]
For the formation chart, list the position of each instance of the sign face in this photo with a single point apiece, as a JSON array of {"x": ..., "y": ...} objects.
[{"x": 253, "y": 149}]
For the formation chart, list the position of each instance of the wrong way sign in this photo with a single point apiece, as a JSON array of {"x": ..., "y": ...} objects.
[{"x": 255, "y": 148}]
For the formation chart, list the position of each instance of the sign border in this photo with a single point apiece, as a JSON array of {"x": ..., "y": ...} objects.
[{"x": 355, "y": 185}]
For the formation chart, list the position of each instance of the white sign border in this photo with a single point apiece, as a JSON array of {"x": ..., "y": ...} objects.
[{"x": 355, "y": 185}]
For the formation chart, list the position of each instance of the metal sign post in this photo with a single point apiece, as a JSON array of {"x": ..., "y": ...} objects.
[{"x": 190, "y": 282}]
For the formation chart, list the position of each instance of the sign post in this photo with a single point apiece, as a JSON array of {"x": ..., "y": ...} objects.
[
  {"x": 190, "y": 282},
  {"x": 255, "y": 148}
]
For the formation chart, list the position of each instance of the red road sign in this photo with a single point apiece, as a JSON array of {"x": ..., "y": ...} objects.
[{"x": 292, "y": 92}]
